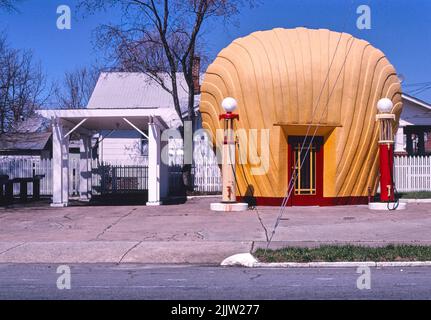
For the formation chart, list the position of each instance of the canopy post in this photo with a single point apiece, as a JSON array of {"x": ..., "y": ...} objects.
[
  {"x": 85, "y": 168},
  {"x": 154, "y": 164},
  {"x": 60, "y": 165}
]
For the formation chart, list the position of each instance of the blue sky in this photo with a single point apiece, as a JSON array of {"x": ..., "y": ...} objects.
[{"x": 400, "y": 28}]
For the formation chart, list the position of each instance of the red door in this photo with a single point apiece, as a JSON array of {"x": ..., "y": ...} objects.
[{"x": 305, "y": 171}]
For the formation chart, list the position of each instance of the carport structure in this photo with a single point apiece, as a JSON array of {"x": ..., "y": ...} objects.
[{"x": 86, "y": 122}]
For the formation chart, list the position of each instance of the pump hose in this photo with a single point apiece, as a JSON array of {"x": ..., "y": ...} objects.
[{"x": 396, "y": 194}]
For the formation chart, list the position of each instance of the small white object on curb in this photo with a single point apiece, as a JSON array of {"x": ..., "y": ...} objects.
[
  {"x": 240, "y": 260},
  {"x": 382, "y": 206}
]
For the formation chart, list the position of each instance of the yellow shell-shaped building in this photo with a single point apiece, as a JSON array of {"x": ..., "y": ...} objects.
[{"x": 297, "y": 83}]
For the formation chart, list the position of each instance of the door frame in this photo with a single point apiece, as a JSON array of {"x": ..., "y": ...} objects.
[{"x": 307, "y": 200}]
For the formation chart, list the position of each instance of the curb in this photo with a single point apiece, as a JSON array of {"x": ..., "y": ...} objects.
[
  {"x": 342, "y": 264},
  {"x": 415, "y": 200},
  {"x": 249, "y": 261}
]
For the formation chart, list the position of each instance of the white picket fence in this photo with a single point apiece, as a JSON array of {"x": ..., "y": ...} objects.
[
  {"x": 412, "y": 173},
  {"x": 29, "y": 167},
  {"x": 206, "y": 173},
  {"x": 207, "y": 177},
  {"x": 26, "y": 168}
]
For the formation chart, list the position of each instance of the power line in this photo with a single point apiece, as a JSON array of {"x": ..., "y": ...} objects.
[
  {"x": 294, "y": 176},
  {"x": 417, "y": 84},
  {"x": 420, "y": 90}
]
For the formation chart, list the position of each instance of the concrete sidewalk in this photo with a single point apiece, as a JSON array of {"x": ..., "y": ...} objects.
[{"x": 191, "y": 233}]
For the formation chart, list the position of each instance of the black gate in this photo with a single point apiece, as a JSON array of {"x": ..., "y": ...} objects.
[{"x": 118, "y": 179}]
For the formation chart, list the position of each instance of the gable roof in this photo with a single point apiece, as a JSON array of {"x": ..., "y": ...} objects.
[
  {"x": 35, "y": 123},
  {"x": 416, "y": 101},
  {"x": 24, "y": 141},
  {"x": 125, "y": 90}
]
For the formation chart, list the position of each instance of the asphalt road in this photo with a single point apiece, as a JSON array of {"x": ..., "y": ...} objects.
[{"x": 96, "y": 281}]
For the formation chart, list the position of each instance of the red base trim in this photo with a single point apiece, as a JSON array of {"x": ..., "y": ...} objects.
[{"x": 323, "y": 202}]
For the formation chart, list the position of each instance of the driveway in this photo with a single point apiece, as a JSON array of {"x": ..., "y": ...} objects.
[{"x": 191, "y": 233}]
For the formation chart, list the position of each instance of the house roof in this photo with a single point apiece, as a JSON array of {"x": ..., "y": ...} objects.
[
  {"x": 35, "y": 123},
  {"x": 417, "y": 101},
  {"x": 24, "y": 141},
  {"x": 123, "y": 90}
]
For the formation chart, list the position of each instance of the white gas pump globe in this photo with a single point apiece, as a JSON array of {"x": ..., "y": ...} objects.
[
  {"x": 385, "y": 105},
  {"x": 229, "y": 104}
]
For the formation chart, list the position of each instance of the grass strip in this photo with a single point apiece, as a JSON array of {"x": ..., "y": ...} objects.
[{"x": 349, "y": 253}]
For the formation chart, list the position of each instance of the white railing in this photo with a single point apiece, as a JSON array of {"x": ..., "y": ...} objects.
[
  {"x": 206, "y": 173},
  {"x": 412, "y": 174},
  {"x": 207, "y": 177},
  {"x": 205, "y": 170}
]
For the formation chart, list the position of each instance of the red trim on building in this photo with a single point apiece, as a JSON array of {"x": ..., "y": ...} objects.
[
  {"x": 306, "y": 200},
  {"x": 323, "y": 202}
]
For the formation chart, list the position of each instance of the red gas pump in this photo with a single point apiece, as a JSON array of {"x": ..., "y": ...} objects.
[
  {"x": 386, "y": 150},
  {"x": 387, "y": 193}
]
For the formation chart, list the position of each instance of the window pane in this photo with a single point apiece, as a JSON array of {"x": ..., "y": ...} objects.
[{"x": 427, "y": 137}]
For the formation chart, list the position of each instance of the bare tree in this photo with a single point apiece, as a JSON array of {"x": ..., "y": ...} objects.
[
  {"x": 77, "y": 87},
  {"x": 161, "y": 38},
  {"x": 22, "y": 86},
  {"x": 8, "y": 5}
]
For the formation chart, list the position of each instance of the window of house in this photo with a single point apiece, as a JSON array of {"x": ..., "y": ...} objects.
[
  {"x": 427, "y": 143},
  {"x": 419, "y": 141},
  {"x": 415, "y": 143}
]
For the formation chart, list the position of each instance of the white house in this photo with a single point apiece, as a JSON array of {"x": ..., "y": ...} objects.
[
  {"x": 414, "y": 133},
  {"x": 132, "y": 91},
  {"x": 32, "y": 145}
]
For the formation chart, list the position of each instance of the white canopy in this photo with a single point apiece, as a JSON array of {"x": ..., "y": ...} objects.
[{"x": 86, "y": 122}]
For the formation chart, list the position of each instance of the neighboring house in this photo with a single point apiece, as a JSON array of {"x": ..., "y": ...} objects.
[
  {"x": 35, "y": 123},
  {"x": 30, "y": 139},
  {"x": 32, "y": 145},
  {"x": 414, "y": 134},
  {"x": 23, "y": 155},
  {"x": 116, "y": 90}
]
